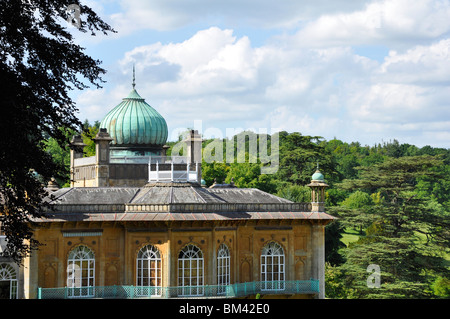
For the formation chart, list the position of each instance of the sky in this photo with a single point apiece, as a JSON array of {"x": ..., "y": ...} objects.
[{"x": 357, "y": 71}]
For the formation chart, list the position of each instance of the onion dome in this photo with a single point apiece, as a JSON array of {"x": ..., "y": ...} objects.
[
  {"x": 135, "y": 122},
  {"x": 318, "y": 176}
]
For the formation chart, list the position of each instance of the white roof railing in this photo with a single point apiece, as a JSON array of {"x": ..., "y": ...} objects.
[
  {"x": 160, "y": 168},
  {"x": 163, "y": 174}
]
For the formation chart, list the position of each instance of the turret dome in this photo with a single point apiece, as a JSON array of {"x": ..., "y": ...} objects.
[
  {"x": 134, "y": 122},
  {"x": 318, "y": 176}
]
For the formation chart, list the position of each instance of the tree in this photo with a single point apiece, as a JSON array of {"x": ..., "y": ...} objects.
[
  {"x": 335, "y": 287},
  {"x": 441, "y": 287},
  {"x": 358, "y": 199},
  {"x": 406, "y": 235},
  {"x": 89, "y": 132},
  {"x": 299, "y": 156},
  {"x": 295, "y": 193},
  {"x": 354, "y": 203},
  {"x": 61, "y": 155},
  {"x": 333, "y": 243},
  {"x": 39, "y": 64},
  {"x": 214, "y": 172},
  {"x": 248, "y": 175}
]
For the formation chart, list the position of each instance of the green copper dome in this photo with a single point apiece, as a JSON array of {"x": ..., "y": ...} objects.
[
  {"x": 134, "y": 122},
  {"x": 317, "y": 176}
]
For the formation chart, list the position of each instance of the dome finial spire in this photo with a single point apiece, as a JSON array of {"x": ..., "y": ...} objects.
[{"x": 134, "y": 78}]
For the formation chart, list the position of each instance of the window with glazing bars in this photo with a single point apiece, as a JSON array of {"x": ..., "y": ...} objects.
[
  {"x": 272, "y": 267},
  {"x": 8, "y": 282},
  {"x": 148, "y": 271},
  {"x": 223, "y": 268},
  {"x": 81, "y": 272},
  {"x": 190, "y": 271}
]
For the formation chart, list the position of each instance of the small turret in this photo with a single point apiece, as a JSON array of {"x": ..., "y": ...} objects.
[{"x": 318, "y": 186}]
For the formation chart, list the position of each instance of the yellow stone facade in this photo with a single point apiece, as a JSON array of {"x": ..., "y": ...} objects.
[{"x": 116, "y": 246}]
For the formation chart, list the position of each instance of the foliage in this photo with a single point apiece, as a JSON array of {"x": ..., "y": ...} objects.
[
  {"x": 393, "y": 229},
  {"x": 299, "y": 156},
  {"x": 357, "y": 199},
  {"x": 335, "y": 287},
  {"x": 61, "y": 155},
  {"x": 441, "y": 287},
  {"x": 214, "y": 172},
  {"x": 39, "y": 64},
  {"x": 333, "y": 243},
  {"x": 295, "y": 193},
  {"x": 88, "y": 133}
]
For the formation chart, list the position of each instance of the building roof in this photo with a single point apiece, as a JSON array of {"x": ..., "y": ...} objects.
[
  {"x": 183, "y": 216},
  {"x": 172, "y": 201},
  {"x": 135, "y": 122},
  {"x": 163, "y": 193}
]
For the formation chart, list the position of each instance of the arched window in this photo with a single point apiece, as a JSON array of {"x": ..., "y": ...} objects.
[
  {"x": 190, "y": 271},
  {"x": 272, "y": 267},
  {"x": 223, "y": 268},
  {"x": 81, "y": 272},
  {"x": 8, "y": 282},
  {"x": 148, "y": 271}
]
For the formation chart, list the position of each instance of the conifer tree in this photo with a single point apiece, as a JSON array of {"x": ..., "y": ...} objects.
[{"x": 406, "y": 237}]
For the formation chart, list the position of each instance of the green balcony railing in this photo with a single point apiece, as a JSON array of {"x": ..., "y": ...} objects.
[{"x": 208, "y": 291}]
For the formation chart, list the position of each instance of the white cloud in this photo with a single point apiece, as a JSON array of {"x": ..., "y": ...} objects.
[
  {"x": 407, "y": 88},
  {"x": 390, "y": 103},
  {"x": 312, "y": 82},
  {"x": 223, "y": 79},
  {"x": 165, "y": 15},
  {"x": 213, "y": 61},
  {"x": 394, "y": 23},
  {"x": 420, "y": 64}
]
